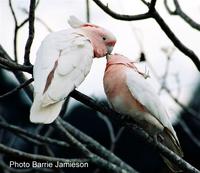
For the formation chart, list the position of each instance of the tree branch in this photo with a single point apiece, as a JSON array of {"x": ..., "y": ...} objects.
[
  {"x": 115, "y": 15},
  {"x": 17, "y": 88},
  {"x": 31, "y": 32},
  {"x": 15, "y": 30},
  {"x": 95, "y": 146},
  {"x": 127, "y": 122},
  {"x": 37, "y": 137},
  {"x": 189, "y": 133},
  {"x": 36, "y": 157},
  {"x": 178, "y": 11},
  {"x": 95, "y": 159},
  {"x": 175, "y": 40},
  {"x": 152, "y": 5},
  {"x": 154, "y": 14},
  {"x": 12, "y": 65}
]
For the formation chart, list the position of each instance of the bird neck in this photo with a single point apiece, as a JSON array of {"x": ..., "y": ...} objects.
[{"x": 127, "y": 64}]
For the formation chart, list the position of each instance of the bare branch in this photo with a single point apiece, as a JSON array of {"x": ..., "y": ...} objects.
[
  {"x": 31, "y": 33},
  {"x": 117, "y": 137},
  {"x": 178, "y": 11},
  {"x": 128, "y": 122},
  {"x": 95, "y": 159},
  {"x": 88, "y": 11},
  {"x": 95, "y": 146},
  {"x": 13, "y": 66},
  {"x": 15, "y": 30},
  {"x": 154, "y": 14},
  {"x": 152, "y": 5},
  {"x": 188, "y": 110},
  {"x": 168, "y": 53},
  {"x": 175, "y": 40},
  {"x": 172, "y": 12},
  {"x": 10, "y": 64},
  {"x": 189, "y": 133},
  {"x": 37, "y": 137},
  {"x": 17, "y": 88},
  {"x": 182, "y": 164},
  {"x": 36, "y": 157},
  {"x": 121, "y": 16},
  {"x": 13, "y": 13}
]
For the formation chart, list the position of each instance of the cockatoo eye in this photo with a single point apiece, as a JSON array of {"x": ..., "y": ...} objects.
[{"x": 104, "y": 38}]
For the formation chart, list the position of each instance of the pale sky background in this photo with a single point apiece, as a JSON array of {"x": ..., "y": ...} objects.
[{"x": 56, "y": 12}]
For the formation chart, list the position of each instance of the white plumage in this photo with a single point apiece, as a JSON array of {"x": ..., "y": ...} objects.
[
  {"x": 142, "y": 91},
  {"x": 70, "y": 55},
  {"x": 63, "y": 61}
]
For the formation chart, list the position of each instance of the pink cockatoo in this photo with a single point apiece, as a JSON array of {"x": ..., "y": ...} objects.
[
  {"x": 63, "y": 61},
  {"x": 129, "y": 93}
]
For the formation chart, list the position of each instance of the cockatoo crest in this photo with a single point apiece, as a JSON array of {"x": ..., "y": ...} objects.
[
  {"x": 101, "y": 39},
  {"x": 74, "y": 22}
]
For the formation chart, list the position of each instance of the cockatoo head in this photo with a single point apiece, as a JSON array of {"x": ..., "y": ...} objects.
[
  {"x": 101, "y": 39},
  {"x": 119, "y": 59}
]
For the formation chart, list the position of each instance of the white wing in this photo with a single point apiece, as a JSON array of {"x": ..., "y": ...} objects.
[
  {"x": 73, "y": 66},
  {"x": 146, "y": 95},
  {"x": 74, "y": 55}
]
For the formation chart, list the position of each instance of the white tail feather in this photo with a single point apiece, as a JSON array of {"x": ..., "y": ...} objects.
[
  {"x": 74, "y": 22},
  {"x": 44, "y": 115}
]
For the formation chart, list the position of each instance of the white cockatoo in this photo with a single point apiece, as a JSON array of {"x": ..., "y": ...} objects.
[
  {"x": 130, "y": 93},
  {"x": 63, "y": 61}
]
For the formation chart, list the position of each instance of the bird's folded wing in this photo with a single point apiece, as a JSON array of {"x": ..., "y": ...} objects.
[
  {"x": 73, "y": 64},
  {"x": 146, "y": 95}
]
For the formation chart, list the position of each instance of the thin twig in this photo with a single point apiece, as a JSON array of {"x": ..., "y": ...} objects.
[
  {"x": 178, "y": 11},
  {"x": 155, "y": 15},
  {"x": 18, "y": 74},
  {"x": 31, "y": 32},
  {"x": 15, "y": 30},
  {"x": 175, "y": 40},
  {"x": 95, "y": 146},
  {"x": 17, "y": 88},
  {"x": 121, "y": 16},
  {"x": 95, "y": 159},
  {"x": 37, "y": 157},
  {"x": 126, "y": 120},
  {"x": 189, "y": 133},
  {"x": 88, "y": 11},
  {"x": 116, "y": 139},
  {"x": 37, "y": 137}
]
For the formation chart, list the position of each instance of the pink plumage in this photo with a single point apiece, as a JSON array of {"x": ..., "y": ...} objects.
[{"x": 129, "y": 93}]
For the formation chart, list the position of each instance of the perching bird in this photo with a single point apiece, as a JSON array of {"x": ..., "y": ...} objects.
[
  {"x": 129, "y": 93},
  {"x": 63, "y": 61}
]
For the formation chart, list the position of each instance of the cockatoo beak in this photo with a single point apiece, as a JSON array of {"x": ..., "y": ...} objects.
[{"x": 109, "y": 49}]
